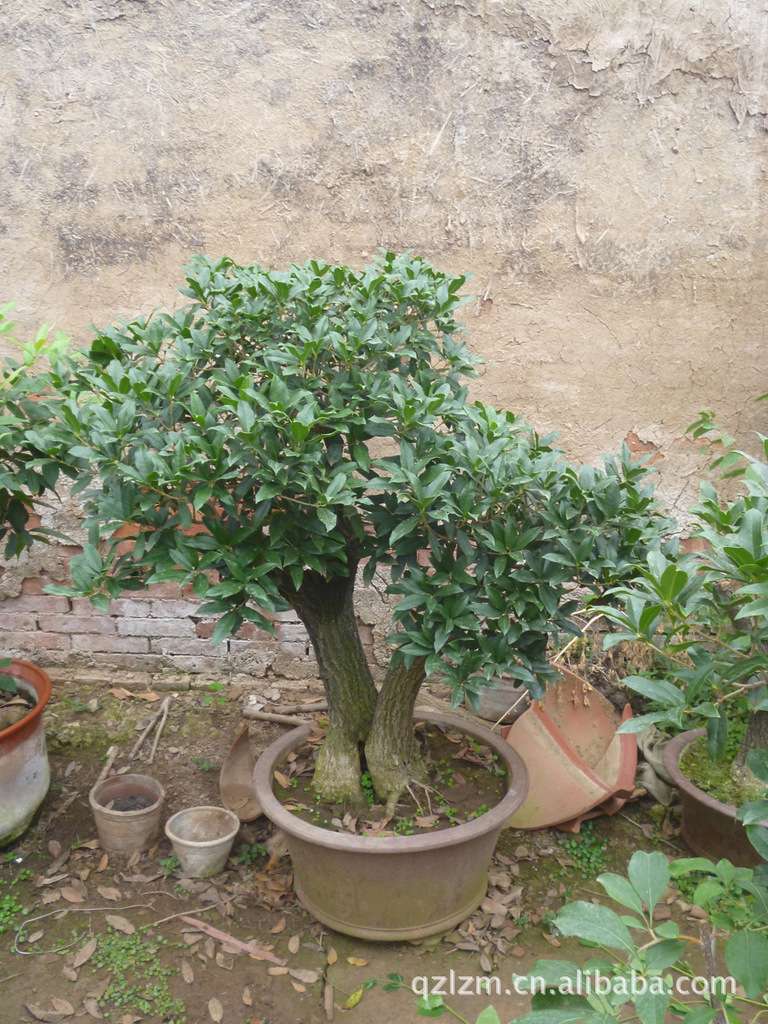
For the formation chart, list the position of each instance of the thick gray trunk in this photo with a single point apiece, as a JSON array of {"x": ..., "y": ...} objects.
[
  {"x": 326, "y": 608},
  {"x": 392, "y": 752},
  {"x": 755, "y": 738}
]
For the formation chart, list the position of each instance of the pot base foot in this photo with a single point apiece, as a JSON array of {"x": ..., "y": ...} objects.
[{"x": 403, "y": 934}]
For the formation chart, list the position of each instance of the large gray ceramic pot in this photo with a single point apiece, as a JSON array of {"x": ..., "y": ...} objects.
[
  {"x": 393, "y": 887},
  {"x": 708, "y": 826}
]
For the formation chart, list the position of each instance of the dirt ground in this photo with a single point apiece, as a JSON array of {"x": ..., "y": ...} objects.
[{"x": 86, "y": 936}]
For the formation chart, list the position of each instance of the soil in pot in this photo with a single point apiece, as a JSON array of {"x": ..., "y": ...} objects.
[
  {"x": 714, "y": 777},
  {"x": 466, "y": 780}
]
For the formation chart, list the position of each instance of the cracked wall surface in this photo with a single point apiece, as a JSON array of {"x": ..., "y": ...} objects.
[{"x": 599, "y": 168}]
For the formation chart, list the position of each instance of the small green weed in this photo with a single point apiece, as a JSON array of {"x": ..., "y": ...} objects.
[
  {"x": 588, "y": 852},
  {"x": 169, "y": 865},
  {"x": 205, "y": 765},
  {"x": 251, "y": 852},
  {"x": 138, "y": 979},
  {"x": 367, "y": 785},
  {"x": 10, "y": 908}
]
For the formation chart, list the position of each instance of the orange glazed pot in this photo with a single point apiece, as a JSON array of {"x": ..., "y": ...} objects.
[{"x": 24, "y": 771}]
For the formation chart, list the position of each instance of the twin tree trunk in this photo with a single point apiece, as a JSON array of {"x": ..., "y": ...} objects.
[{"x": 363, "y": 722}]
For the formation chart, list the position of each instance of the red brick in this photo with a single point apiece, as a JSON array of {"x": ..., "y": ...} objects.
[
  {"x": 48, "y": 603},
  {"x": 17, "y": 620},
  {"x": 71, "y": 623},
  {"x": 34, "y": 586},
  {"x": 29, "y": 641},
  {"x": 174, "y": 609},
  {"x": 110, "y": 644},
  {"x": 185, "y": 663},
  {"x": 182, "y": 645},
  {"x": 130, "y": 607},
  {"x": 156, "y": 627},
  {"x": 161, "y": 590}
]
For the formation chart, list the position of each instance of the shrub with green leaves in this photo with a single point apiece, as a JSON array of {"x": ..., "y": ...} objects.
[
  {"x": 289, "y": 431},
  {"x": 25, "y": 472}
]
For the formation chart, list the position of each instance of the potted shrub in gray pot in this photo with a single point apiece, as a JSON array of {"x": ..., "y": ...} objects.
[
  {"x": 704, "y": 615},
  {"x": 291, "y": 434}
]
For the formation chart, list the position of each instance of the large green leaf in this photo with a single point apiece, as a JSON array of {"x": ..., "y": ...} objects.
[
  {"x": 594, "y": 923},
  {"x": 649, "y": 874},
  {"x": 746, "y": 954}
]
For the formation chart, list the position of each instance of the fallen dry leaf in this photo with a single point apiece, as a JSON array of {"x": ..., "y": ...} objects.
[
  {"x": 279, "y": 927},
  {"x": 225, "y": 960},
  {"x": 62, "y": 1006},
  {"x": 69, "y": 973},
  {"x": 149, "y": 696},
  {"x": 85, "y": 953},
  {"x": 40, "y": 1014},
  {"x": 247, "y": 997},
  {"x": 293, "y": 944},
  {"x": 35, "y": 936},
  {"x": 73, "y": 894},
  {"x": 103, "y": 862},
  {"x": 186, "y": 972},
  {"x": 109, "y": 893},
  {"x": 298, "y": 986},
  {"x": 277, "y": 971},
  {"x": 122, "y": 924},
  {"x": 120, "y": 693},
  {"x": 333, "y": 956},
  {"x": 51, "y": 896},
  {"x": 281, "y": 780},
  {"x": 302, "y": 974},
  {"x": 357, "y": 961},
  {"x": 215, "y": 1010},
  {"x": 93, "y": 1009}
]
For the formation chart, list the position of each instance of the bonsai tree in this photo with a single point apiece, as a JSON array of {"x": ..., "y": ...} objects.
[
  {"x": 290, "y": 433},
  {"x": 704, "y": 615}
]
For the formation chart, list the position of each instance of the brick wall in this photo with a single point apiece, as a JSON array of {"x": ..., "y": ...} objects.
[{"x": 158, "y": 631}]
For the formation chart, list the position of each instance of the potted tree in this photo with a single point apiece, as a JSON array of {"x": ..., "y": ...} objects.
[
  {"x": 25, "y": 474},
  {"x": 704, "y": 615},
  {"x": 291, "y": 433}
]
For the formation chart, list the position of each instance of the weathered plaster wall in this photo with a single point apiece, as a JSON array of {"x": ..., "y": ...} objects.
[{"x": 599, "y": 167}]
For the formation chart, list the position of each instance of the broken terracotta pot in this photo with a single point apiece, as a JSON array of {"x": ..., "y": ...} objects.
[
  {"x": 578, "y": 765},
  {"x": 236, "y": 779}
]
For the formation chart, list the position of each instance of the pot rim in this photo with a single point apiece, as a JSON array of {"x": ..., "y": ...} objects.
[
  {"x": 671, "y": 755},
  {"x": 36, "y": 678},
  {"x": 299, "y": 829},
  {"x": 146, "y": 780},
  {"x": 203, "y": 844}
]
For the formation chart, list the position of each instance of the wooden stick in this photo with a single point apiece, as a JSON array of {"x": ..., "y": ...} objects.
[
  {"x": 269, "y": 716},
  {"x": 150, "y": 726},
  {"x": 111, "y": 755},
  {"x": 161, "y": 726},
  {"x": 246, "y": 947},
  {"x": 300, "y": 709}
]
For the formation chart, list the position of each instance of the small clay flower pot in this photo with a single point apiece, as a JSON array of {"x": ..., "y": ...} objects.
[
  {"x": 127, "y": 810},
  {"x": 202, "y": 839}
]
